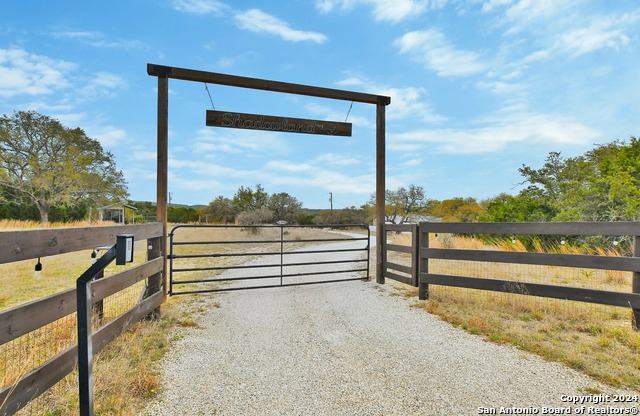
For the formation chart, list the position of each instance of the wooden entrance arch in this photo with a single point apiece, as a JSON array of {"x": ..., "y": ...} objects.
[{"x": 165, "y": 72}]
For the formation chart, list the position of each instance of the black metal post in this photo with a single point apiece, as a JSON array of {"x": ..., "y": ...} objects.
[
  {"x": 170, "y": 263},
  {"x": 281, "y": 252},
  {"x": 368, "y": 253},
  {"x": 85, "y": 344},
  {"x": 635, "y": 284}
]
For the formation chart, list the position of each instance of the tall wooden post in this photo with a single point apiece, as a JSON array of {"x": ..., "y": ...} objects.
[
  {"x": 380, "y": 185},
  {"x": 162, "y": 181}
]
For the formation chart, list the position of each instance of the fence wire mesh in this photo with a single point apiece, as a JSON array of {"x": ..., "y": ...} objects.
[{"x": 20, "y": 356}]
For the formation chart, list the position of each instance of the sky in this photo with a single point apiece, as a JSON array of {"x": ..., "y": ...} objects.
[{"x": 478, "y": 88}]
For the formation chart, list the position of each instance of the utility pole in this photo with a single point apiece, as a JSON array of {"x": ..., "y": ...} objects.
[{"x": 331, "y": 202}]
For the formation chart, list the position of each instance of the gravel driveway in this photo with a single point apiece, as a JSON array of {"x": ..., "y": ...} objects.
[{"x": 350, "y": 348}]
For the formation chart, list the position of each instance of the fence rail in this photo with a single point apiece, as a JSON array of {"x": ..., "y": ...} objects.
[
  {"x": 21, "y": 320},
  {"x": 631, "y": 264},
  {"x": 410, "y": 273},
  {"x": 420, "y": 276}
]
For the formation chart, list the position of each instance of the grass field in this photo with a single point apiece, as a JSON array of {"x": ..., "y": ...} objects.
[
  {"x": 595, "y": 339},
  {"x": 125, "y": 372}
]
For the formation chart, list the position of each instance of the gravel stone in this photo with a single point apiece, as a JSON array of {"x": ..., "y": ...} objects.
[{"x": 349, "y": 348}]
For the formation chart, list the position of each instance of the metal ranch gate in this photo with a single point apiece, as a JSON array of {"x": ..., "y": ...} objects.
[{"x": 215, "y": 258}]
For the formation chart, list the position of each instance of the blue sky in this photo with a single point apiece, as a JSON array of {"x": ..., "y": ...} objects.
[{"x": 477, "y": 87}]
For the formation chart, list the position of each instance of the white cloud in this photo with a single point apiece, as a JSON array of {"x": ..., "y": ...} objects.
[
  {"x": 108, "y": 136},
  {"x": 98, "y": 40},
  {"x": 601, "y": 33},
  {"x": 332, "y": 159},
  {"x": 24, "y": 73},
  {"x": 100, "y": 84},
  {"x": 287, "y": 166},
  {"x": 406, "y": 102},
  {"x": 499, "y": 132},
  {"x": 214, "y": 7},
  {"x": 491, "y": 5},
  {"x": 412, "y": 162},
  {"x": 531, "y": 14},
  {"x": 254, "y": 20},
  {"x": 393, "y": 11},
  {"x": 434, "y": 50},
  {"x": 70, "y": 120},
  {"x": 260, "y": 22},
  {"x": 243, "y": 58},
  {"x": 310, "y": 176},
  {"x": 141, "y": 153},
  {"x": 330, "y": 114},
  {"x": 181, "y": 183},
  {"x": 199, "y": 168},
  {"x": 239, "y": 142}
]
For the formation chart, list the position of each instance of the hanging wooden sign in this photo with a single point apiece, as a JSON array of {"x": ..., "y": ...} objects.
[{"x": 275, "y": 123}]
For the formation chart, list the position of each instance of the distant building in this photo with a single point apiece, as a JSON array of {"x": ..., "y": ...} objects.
[{"x": 115, "y": 213}]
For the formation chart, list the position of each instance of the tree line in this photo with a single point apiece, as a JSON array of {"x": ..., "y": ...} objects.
[{"x": 52, "y": 172}]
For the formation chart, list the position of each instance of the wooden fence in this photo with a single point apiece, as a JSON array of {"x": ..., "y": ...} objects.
[
  {"x": 424, "y": 278},
  {"x": 24, "y": 319},
  {"x": 408, "y": 274}
]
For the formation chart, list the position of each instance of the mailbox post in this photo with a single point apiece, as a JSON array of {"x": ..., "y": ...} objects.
[{"x": 122, "y": 252}]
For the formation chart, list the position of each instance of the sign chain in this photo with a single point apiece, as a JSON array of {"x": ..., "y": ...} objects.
[
  {"x": 206, "y": 87},
  {"x": 348, "y": 112}
]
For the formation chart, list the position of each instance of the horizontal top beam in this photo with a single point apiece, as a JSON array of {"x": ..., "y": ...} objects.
[{"x": 264, "y": 84}]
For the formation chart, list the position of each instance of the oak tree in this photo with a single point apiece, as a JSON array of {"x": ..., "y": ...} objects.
[{"x": 47, "y": 164}]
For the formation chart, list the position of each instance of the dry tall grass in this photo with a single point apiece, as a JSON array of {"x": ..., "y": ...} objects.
[
  {"x": 13, "y": 225},
  {"x": 598, "y": 340},
  {"x": 125, "y": 372}
]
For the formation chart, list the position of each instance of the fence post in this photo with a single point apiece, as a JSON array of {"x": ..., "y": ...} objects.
[
  {"x": 85, "y": 341},
  {"x": 382, "y": 253},
  {"x": 423, "y": 241},
  {"x": 415, "y": 255},
  {"x": 635, "y": 288},
  {"x": 154, "y": 282}
]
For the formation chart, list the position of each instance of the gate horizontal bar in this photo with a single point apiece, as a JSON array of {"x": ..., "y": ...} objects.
[
  {"x": 199, "y": 269},
  {"x": 229, "y": 289},
  {"x": 276, "y": 253},
  {"x": 321, "y": 240},
  {"x": 272, "y": 276}
]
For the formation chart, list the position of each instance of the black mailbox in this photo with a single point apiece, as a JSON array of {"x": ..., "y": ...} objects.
[{"x": 124, "y": 249}]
